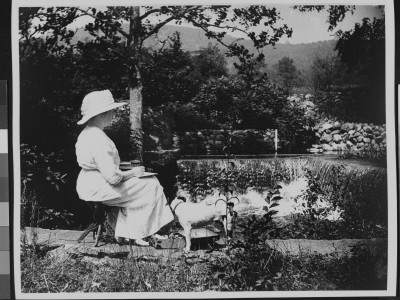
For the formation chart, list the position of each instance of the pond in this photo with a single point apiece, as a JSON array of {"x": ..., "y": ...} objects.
[{"x": 348, "y": 198}]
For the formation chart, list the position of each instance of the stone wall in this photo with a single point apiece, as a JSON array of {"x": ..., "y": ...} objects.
[
  {"x": 247, "y": 141},
  {"x": 336, "y": 136},
  {"x": 332, "y": 136}
]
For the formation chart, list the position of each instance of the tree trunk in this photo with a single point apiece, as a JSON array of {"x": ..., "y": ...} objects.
[
  {"x": 135, "y": 84},
  {"x": 136, "y": 109}
]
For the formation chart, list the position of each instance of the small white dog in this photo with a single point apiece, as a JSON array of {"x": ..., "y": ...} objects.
[{"x": 194, "y": 215}]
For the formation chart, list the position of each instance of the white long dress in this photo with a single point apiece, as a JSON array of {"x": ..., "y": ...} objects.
[{"x": 101, "y": 180}]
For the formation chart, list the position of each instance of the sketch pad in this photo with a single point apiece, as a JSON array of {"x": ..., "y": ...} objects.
[{"x": 147, "y": 174}]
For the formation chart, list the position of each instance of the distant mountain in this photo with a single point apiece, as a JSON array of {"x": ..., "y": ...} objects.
[{"x": 194, "y": 39}]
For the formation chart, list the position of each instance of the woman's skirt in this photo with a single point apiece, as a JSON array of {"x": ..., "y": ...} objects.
[{"x": 145, "y": 209}]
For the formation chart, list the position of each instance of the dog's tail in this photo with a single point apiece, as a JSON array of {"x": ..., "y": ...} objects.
[
  {"x": 181, "y": 198},
  {"x": 172, "y": 199}
]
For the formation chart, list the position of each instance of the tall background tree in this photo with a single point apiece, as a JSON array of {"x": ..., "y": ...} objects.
[
  {"x": 362, "y": 51},
  {"x": 287, "y": 73},
  {"x": 325, "y": 72},
  {"x": 131, "y": 26}
]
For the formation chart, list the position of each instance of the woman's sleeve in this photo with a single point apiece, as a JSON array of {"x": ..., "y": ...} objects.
[{"x": 103, "y": 155}]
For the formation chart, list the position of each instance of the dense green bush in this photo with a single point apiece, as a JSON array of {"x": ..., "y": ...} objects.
[
  {"x": 361, "y": 192},
  {"x": 38, "y": 169},
  {"x": 235, "y": 103},
  {"x": 345, "y": 104}
]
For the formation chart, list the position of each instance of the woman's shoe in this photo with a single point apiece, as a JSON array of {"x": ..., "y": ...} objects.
[{"x": 142, "y": 243}]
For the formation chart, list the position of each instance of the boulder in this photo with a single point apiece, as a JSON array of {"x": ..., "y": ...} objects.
[
  {"x": 347, "y": 126},
  {"x": 352, "y": 132},
  {"x": 326, "y": 138},
  {"x": 354, "y": 148},
  {"x": 360, "y": 138},
  {"x": 337, "y": 137},
  {"x": 315, "y": 150},
  {"x": 349, "y": 144},
  {"x": 366, "y": 140},
  {"x": 337, "y": 131},
  {"x": 326, "y": 126},
  {"x": 326, "y": 147},
  {"x": 367, "y": 128},
  {"x": 336, "y": 125}
]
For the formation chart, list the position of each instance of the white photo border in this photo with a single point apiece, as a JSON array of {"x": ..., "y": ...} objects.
[{"x": 391, "y": 155}]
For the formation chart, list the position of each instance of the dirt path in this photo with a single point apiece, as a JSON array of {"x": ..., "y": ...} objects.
[{"x": 63, "y": 242}]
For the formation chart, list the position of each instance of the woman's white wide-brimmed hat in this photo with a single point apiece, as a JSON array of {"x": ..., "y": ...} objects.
[{"x": 96, "y": 103}]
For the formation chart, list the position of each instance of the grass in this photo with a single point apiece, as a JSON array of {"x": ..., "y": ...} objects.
[
  {"x": 48, "y": 274},
  {"x": 259, "y": 268}
]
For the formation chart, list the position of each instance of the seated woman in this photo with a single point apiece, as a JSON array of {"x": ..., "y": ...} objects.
[{"x": 101, "y": 179}]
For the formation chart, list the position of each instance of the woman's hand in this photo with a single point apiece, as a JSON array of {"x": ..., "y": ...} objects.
[
  {"x": 135, "y": 171},
  {"x": 138, "y": 170}
]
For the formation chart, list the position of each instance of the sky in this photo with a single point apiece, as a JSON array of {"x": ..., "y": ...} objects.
[{"x": 310, "y": 27}]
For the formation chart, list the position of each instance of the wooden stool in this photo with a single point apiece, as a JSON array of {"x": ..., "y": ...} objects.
[{"x": 99, "y": 216}]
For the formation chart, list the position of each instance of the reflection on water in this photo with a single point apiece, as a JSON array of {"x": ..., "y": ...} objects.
[{"x": 292, "y": 202}]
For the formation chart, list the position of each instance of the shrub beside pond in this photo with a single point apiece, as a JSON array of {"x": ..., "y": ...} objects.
[{"x": 360, "y": 191}]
